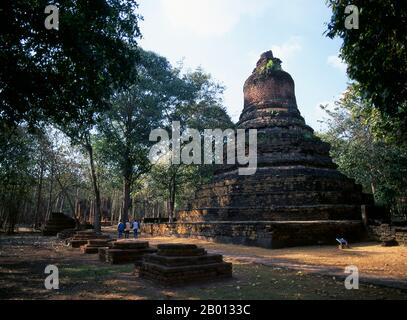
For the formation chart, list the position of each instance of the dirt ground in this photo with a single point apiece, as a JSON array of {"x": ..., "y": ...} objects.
[
  {"x": 295, "y": 273},
  {"x": 376, "y": 264}
]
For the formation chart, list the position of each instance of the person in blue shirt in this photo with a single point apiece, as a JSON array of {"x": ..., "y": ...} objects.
[
  {"x": 120, "y": 229},
  {"x": 136, "y": 227}
]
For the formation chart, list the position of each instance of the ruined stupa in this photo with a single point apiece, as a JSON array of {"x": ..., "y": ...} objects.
[{"x": 296, "y": 197}]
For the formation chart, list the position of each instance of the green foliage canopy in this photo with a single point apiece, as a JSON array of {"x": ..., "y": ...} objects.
[
  {"x": 66, "y": 75},
  {"x": 377, "y": 164},
  {"x": 376, "y": 55}
]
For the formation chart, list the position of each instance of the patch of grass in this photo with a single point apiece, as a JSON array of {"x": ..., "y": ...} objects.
[{"x": 91, "y": 272}]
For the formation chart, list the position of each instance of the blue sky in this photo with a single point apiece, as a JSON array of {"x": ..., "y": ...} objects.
[{"x": 226, "y": 38}]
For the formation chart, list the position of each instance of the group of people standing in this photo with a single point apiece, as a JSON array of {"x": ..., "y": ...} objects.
[{"x": 125, "y": 228}]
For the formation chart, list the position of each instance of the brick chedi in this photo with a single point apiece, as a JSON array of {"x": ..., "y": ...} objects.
[
  {"x": 296, "y": 197},
  {"x": 178, "y": 264}
]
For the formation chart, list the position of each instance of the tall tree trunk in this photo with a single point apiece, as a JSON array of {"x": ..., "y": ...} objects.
[
  {"x": 112, "y": 208},
  {"x": 61, "y": 205},
  {"x": 51, "y": 190},
  {"x": 12, "y": 210},
  {"x": 77, "y": 210},
  {"x": 96, "y": 190},
  {"x": 39, "y": 196},
  {"x": 126, "y": 198},
  {"x": 171, "y": 202},
  {"x": 56, "y": 204},
  {"x": 66, "y": 194}
]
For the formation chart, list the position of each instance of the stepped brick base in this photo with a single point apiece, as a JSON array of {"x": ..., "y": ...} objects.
[
  {"x": 388, "y": 234},
  {"x": 266, "y": 234},
  {"x": 178, "y": 264},
  {"x": 57, "y": 223},
  {"x": 92, "y": 247},
  {"x": 81, "y": 238},
  {"x": 125, "y": 251}
]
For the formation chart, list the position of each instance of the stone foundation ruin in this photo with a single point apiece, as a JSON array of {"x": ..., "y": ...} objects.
[
  {"x": 178, "y": 264},
  {"x": 92, "y": 246},
  {"x": 81, "y": 238},
  {"x": 125, "y": 251},
  {"x": 57, "y": 223}
]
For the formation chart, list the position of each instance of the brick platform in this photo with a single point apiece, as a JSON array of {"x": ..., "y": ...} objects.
[
  {"x": 57, "y": 223},
  {"x": 387, "y": 233},
  {"x": 266, "y": 234},
  {"x": 179, "y": 264},
  {"x": 81, "y": 238},
  {"x": 125, "y": 252},
  {"x": 92, "y": 246}
]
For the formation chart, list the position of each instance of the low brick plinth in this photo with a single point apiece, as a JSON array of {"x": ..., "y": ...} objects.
[
  {"x": 125, "y": 252},
  {"x": 178, "y": 264},
  {"x": 92, "y": 246},
  {"x": 81, "y": 238},
  {"x": 267, "y": 234},
  {"x": 126, "y": 256}
]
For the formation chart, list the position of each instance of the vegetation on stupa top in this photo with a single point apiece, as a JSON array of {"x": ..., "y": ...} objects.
[{"x": 271, "y": 64}]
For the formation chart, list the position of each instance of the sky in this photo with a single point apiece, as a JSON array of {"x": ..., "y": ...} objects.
[{"x": 227, "y": 37}]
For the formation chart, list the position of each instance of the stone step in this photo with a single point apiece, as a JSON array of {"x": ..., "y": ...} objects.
[
  {"x": 272, "y": 213},
  {"x": 130, "y": 244},
  {"x": 102, "y": 253},
  {"x": 300, "y": 184},
  {"x": 125, "y": 256},
  {"x": 186, "y": 274},
  {"x": 99, "y": 242},
  {"x": 183, "y": 260},
  {"x": 86, "y": 249},
  {"x": 279, "y": 198},
  {"x": 179, "y": 252},
  {"x": 90, "y": 236},
  {"x": 267, "y": 234},
  {"x": 176, "y": 246},
  {"x": 78, "y": 240}
]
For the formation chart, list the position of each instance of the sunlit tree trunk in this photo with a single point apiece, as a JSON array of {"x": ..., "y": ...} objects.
[{"x": 97, "y": 216}]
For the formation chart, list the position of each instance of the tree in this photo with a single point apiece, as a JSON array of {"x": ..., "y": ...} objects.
[
  {"x": 17, "y": 172},
  {"x": 376, "y": 56},
  {"x": 73, "y": 69},
  {"x": 378, "y": 165},
  {"x": 203, "y": 110},
  {"x": 124, "y": 129},
  {"x": 66, "y": 77}
]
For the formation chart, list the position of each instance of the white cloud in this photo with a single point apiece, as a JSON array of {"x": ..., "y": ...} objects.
[
  {"x": 337, "y": 63},
  {"x": 287, "y": 50},
  {"x": 209, "y": 17}
]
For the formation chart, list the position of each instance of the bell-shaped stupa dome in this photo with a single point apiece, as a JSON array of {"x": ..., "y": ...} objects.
[{"x": 269, "y": 85}]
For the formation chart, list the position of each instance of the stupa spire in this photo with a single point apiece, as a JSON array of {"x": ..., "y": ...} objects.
[{"x": 269, "y": 96}]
